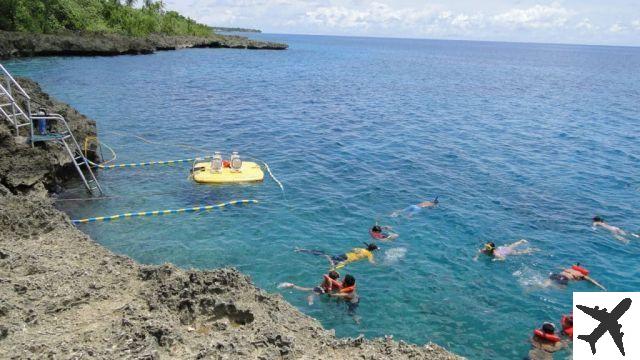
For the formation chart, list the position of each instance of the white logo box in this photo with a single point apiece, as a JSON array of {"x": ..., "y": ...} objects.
[{"x": 605, "y": 347}]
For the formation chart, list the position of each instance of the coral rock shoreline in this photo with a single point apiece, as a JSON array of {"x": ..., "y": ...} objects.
[
  {"x": 62, "y": 295},
  {"x": 18, "y": 44}
]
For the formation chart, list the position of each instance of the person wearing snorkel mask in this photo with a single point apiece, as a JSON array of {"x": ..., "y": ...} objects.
[
  {"x": 382, "y": 233},
  {"x": 412, "y": 210},
  {"x": 501, "y": 252},
  {"x": 617, "y": 233},
  {"x": 341, "y": 260}
]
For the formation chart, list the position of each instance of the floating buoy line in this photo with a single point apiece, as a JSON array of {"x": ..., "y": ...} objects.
[
  {"x": 148, "y": 163},
  {"x": 162, "y": 212}
]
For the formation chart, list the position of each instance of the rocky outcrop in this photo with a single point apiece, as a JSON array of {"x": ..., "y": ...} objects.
[
  {"x": 16, "y": 44},
  {"x": 161, "y": 42},
  {"x": 62, "y": 295},
  {"x": 25, "y": 169}
]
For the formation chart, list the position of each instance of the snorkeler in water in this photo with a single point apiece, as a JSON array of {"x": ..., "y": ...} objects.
[
  {"x": 618, "y": 233},
  {"x": 501, "y": 252},
  {"x": 574, "y": 273},
  {"x": 348, "y": 294},
  {"x": 382, "y": 233},
  {"x": 412, "y": 210},
  {"x": 329, "y": 284},
  {"x": 340, "y": 261},
  {"x": 545, "y": 342}
]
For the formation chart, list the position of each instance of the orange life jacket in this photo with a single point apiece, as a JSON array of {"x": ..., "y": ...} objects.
[
  {"x": 581, "y": 270},
  {"x": 549, "y": 337},
  {"x": 566, "y": 327}
]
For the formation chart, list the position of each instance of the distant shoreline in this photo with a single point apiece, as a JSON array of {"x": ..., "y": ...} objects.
[
  {"x": 235, "y": 29},
  {"x": 20, "y": 44}
]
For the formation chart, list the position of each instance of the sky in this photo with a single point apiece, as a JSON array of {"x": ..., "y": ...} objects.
[{"x": 611, "y": 22}]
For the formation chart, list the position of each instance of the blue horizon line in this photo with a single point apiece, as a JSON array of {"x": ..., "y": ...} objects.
[{"x": 460, "y": 40}]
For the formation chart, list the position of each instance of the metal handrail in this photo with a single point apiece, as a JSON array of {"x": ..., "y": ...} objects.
[
  {"x": 12, "y": 100},
  {"x": 6, "y": 73},
  {"x": 75, "y": 153}
]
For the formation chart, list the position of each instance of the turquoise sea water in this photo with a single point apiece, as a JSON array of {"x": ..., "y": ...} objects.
[{"x": 518, "y": 140}]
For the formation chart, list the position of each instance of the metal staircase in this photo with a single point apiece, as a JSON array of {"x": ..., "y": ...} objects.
[{"x": 11, "y": 110}]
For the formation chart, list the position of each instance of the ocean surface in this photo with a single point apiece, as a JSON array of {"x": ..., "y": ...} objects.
[{"x": 517, "y": 140}]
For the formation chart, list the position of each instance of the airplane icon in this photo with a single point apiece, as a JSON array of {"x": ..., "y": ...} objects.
[{"x": 608, "y": 322}]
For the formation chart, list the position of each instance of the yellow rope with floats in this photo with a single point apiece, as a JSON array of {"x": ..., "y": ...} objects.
[
  {"x": 148, "y": 163},
  {"x": 162, "y": 212}
]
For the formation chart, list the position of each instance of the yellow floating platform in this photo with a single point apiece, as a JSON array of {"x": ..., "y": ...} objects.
[{"x": 249, "y": 172}]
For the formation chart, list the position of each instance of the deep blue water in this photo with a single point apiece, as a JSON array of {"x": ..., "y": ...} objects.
[{"x": 518, "y": 140}]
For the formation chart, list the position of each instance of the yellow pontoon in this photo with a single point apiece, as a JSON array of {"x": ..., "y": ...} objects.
[{"x": 247, "y": 172}]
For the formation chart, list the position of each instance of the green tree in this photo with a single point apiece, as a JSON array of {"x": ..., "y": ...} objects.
[{"x": 52, "y": 16}]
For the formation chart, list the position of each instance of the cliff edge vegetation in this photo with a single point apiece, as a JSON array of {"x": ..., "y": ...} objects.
[
  {"x": 96, "y": 16},
  {"x": 104, "y": 28}
]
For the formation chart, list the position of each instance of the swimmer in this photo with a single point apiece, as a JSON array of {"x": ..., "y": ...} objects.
[
  {"x": 382, "y": 233},
  {"x": 348, "y": 294},
  {"x": 501, "y": 252},
  {"x": 574, "y": 273},
  {"x": 567, "y": 325},
  {"x": 618, "y": 233},
  {"x": 414, "y": 209},
  {"x": 340, "y": 261},
  {"x": 328, "y": 285},
  {"x": 545, "y": 342}
]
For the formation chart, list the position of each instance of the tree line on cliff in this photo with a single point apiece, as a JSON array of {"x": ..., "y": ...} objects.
[{"x": 97, "y": 16}]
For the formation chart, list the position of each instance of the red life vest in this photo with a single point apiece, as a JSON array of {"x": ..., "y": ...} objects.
[
  {"x": 581, "y": 270},
  {"x": 566, "y": 327},
  {"x": 548, "y": 337}
]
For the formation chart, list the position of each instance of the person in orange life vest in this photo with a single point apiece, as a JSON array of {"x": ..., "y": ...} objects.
[
  {"x": 545, "y": 342},
  {"x": 329, "y": 284},
  {"x": 567, "y": 325},
  {"x": 574, "y": 273},
  {"x": 348, "y": 294}
]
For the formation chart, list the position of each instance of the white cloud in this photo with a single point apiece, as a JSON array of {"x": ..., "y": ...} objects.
[
  {"x": 585, "y": 24},
  {"x": 535, "y": 17},
  {"x": 616, "y": 28},
  {"x": 635, "y": 24},
  {"x": 376, "y": 17}
]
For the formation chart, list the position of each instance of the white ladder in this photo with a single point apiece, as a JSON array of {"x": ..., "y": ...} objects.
[
  {"x": 12, "y": 111},
  {"x": 9, "y": 108}
]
